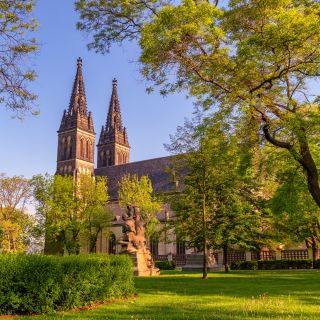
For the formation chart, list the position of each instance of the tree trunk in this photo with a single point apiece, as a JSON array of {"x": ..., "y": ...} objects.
[
  {"x": 205, "y": 247},
  {"x": 314, "y": 252},
  {"x": 225, "y": 258}
]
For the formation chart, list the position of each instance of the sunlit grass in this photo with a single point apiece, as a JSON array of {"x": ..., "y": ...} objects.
[{"x": 237, "y": 295}]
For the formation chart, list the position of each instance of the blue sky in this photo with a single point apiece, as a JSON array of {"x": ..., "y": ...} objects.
[{"x": 29, "y": 146}]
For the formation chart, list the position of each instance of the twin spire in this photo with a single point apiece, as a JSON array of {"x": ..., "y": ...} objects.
[{"x": 78, "y": 116}]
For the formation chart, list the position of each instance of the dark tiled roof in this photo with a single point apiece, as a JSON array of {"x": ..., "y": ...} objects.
[{"x": 159, "y": 171}]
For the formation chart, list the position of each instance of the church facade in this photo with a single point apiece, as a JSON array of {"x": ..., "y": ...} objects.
[{"x": 75, "y": 155}]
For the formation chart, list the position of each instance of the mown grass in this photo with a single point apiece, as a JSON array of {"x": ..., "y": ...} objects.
[{"x": 238, "y": 295}]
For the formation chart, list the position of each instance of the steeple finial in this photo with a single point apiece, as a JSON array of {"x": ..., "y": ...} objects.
[{"x": 78, "y": 101}]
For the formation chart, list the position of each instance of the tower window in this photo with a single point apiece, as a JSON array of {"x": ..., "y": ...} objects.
[
  {"x": 88, "y": 150},
  {"x": 81, "y": 148}
]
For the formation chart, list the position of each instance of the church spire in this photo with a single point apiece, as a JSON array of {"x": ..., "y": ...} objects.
[
  {"x": 113, "y": 146},
  {"x": 114, "y": 113},
  {"x": 78, "y": 101}
]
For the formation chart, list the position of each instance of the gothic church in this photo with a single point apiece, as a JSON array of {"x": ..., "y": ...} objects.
[{"x": 76, "y": 141}]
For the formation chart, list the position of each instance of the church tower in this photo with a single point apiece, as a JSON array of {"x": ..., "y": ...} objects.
[
  {"x": 76, "y": 133},
  {"x": 113, "y": 146}
]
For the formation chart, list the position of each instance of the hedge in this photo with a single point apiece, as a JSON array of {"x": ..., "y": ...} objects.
[
  {"x": 165, "y": 265},
  {"x": 271, "y": 264},
  {"x": 41, "y": 284}
]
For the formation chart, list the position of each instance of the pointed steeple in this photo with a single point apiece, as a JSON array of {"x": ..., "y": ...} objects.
[
  {"x": 114, "y": 114},
  {"x": 78, "y": 101},
  {"x": 113, "y": 146},
  {"x": 77, "y": 114},
  {"x": 114, "y": 131}
]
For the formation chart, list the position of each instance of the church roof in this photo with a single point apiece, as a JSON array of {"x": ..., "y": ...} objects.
[{"x": 159, "y": 170}]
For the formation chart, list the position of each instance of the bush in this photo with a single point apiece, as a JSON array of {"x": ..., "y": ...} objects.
[
  {"x": 40, "y": 284},
  {"x": 244, "y": 265},
  {"x": 317, "y": 264},
  {"x": 271, "y": 264},
  {"x": 165, "y": 265},
  {"x": 284, "y": 264}
]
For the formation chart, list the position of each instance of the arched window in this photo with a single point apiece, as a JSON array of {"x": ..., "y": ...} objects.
[
  {"x": 63, "y": 149},
  {"x": 112, "y": 244},
  {"x": 81, "y": 148},
  {"x": 102, "y": 159},
  {"x": 69, "y": 148},
  {"x": 87, "y": 150},
  {"x": 108, "y": 157},
  {"x": 119, "y": 158}
]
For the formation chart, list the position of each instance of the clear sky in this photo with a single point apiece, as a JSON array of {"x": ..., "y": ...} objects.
[{"x": 29, "y": 147}]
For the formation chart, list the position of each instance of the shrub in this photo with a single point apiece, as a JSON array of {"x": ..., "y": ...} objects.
[
  {"x": 271, "y": 264},
  {"x": 39, "y": 284},
  {"x": 317, "y": 264},
  {"x": 165, "y": 265},
  {"x": 284, "y": 264},
  {"x": 244, "y": 265}
]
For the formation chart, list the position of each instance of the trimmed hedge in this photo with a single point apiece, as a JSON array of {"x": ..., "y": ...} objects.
[
  {"x": 271, "y": 264},
  {"x": 165, "y": 265},
  {"x": 244, "y": 265},
  {"x": 40, "y": 284}
]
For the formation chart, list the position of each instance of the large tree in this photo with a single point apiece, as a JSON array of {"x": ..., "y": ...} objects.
[
  {"x": 218, "y": 207},
  {"x": 72, "y": 209},
  {"x": 253, "y": 58},
  {"x": 16, "y": 46},
  {"x": 17, "y": 225}
]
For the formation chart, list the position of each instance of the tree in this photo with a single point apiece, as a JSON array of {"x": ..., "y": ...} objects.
[
  {"x": 217, "y": 208},
  {"x": 17, "y": 226},
  {"x": 296, "y": 215},
  {"x": 138, "y": 192},
  {"x": 251, "y": 58},
  {"x": 71, "y": 209},
  {"x": 93, "y": 196},
  {"x": 16, "y": 47}
]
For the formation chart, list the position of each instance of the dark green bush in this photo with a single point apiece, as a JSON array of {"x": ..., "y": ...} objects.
[
  {"x": 244, "y": 265},
  {"x": 271, "y": 264},
  {"x": 165, "y": 265},
  {"x": 39, "y": 284},
  {"x": 317, "y": 264},
  {"x": 284, "y": 264}
]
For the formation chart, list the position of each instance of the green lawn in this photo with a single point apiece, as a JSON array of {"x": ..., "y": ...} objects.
[{"x": 238, "y": 295}]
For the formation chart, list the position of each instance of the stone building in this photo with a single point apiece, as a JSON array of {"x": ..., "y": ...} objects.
[{"x": 76, "y": 140}]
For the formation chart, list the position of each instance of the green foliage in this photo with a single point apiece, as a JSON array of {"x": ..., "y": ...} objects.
[
  {"x": 271, "y": 264},
  {"x": 72, "y": 208},
  {"x": 175, "y": 295},
  {"x": 165, "y": 265},
  {"x": 40, "y": 284},
  {"x": 284, "y": 264},
  {"x": 16, "y": 46},
  {"x": 18, "y": 228},
  {"x": 244, "y": 265},
  {"x": 245, "y": 58},
  {"x": 138, "y": 192},
  {"x": 219, "y": 205}
]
